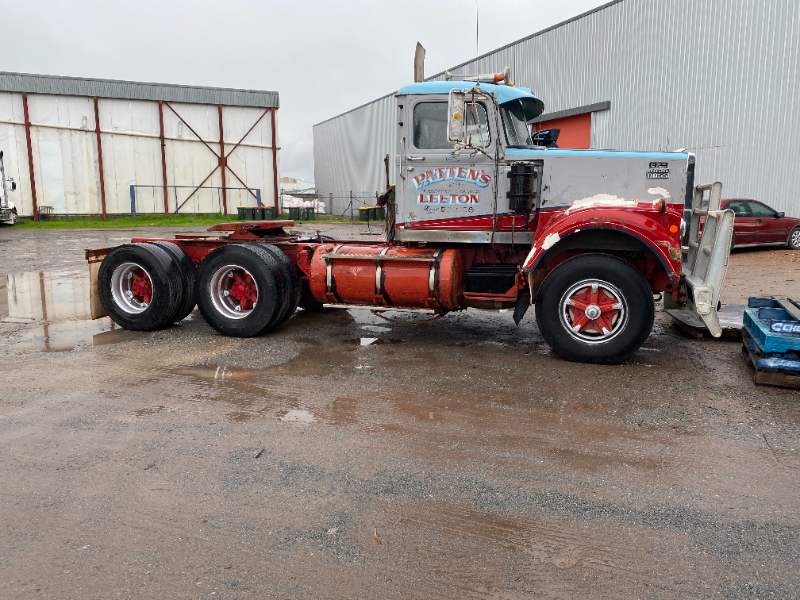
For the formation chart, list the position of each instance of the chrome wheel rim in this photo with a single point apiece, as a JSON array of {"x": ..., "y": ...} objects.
[
  {"x": 593, "y": 311},
  {"x": 796, "y": 238},
  {"x": 132, "y": 288},
  {"x": 233, "y": 291}
]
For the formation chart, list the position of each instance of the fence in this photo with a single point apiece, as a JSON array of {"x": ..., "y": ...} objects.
[
  {"x": 346, "y": 204},
  {"x": 155, "y": 199}
]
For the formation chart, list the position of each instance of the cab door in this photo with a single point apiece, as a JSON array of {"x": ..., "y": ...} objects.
[{"x": 443, "y": 190}]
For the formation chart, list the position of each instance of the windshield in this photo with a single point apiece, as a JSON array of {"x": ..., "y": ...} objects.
[{"x": 516, "y": 127}]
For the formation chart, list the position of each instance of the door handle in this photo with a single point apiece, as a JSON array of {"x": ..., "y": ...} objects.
[
  {"x": 415, "y": 158},
  {"x": 758, "y": 220}
]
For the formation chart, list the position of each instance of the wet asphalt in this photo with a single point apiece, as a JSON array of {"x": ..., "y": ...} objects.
[{"x": 343, "y": 456}]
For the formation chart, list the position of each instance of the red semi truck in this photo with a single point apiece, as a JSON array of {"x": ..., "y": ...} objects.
[{"x": 482, "y": 216}]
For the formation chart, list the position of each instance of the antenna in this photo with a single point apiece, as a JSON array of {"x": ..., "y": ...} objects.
[{"x": 477, "y": 23}]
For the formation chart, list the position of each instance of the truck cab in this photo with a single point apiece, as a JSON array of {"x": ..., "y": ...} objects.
[{"x": 470, "y": 173}]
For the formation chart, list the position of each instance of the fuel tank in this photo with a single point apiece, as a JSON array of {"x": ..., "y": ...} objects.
[{"x": 388, "y": 276}]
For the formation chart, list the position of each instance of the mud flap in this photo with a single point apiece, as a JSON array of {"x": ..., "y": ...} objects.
[
  {"x": 94, "y": 258},
  {"x": 707, "y": 256},
  {"x": 522, "y": 306}
]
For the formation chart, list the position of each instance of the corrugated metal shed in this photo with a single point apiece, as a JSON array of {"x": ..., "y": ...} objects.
[
  {"x": 133, "y": 90},
  {"x": 717, "y": 77},
  {"x": 92, "y": 146}
]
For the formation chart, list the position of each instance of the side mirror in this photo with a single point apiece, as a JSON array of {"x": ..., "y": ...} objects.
[
  {"x": 781, "y": 215},
  {"x": 455, "y": 117},
  {"x": 13, "y": 186},
  {"x": 546, "y": 138}
]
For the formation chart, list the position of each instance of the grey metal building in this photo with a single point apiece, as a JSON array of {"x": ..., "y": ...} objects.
[
  {"x": 79, "y": 146},
  {"x": 716, "y": 77}
]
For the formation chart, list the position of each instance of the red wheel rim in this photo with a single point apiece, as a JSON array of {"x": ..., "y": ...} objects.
[{"x": 593, "y": 311}]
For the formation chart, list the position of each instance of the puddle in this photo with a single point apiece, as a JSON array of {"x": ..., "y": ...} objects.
[
  {"x": 218, "y": 373},
  {"x": 56, "y": 306},
  {"x": 298, "y": 416},
  {"x": 316, "y": 359},
  {"x": 46, "y": 296},
  {"x": 241, "y": 387},
  {"x": 115, "y": 335}
]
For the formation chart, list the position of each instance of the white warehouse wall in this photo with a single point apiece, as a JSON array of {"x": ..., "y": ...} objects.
[
  {"x": 65, "y": 157},
  {"x": 717, "y": 77}
]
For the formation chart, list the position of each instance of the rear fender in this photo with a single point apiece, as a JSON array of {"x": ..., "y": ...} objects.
[{"x": 642, "y": 225}]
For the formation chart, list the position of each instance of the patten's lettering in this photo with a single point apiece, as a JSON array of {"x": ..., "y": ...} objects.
[{"x": 478, "y": 177}]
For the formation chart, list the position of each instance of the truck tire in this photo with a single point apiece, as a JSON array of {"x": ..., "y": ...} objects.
[
  {"x": 241, "y": 291},
  {"x": 292, "y": 278},
  {"x": 188, "y": 275},
  {"x": 140, "y": 287},
  {"x": 595, "y": 308},
  {"x": 794, "y": 239}
]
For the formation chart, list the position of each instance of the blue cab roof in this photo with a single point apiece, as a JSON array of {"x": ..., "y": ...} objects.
[{"x": 532, "y": 105}]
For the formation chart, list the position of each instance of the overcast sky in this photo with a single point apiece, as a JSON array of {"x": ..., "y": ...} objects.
[{"x": 323, "y": 56}]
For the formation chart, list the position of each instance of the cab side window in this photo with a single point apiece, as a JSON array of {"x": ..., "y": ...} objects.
[
  {"x": 739, "y": 209},
  {"x": 760, "y": 210},
  {"x": 430, "y": 126}
]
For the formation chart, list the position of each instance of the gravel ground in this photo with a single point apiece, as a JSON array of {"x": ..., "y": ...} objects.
[{"x": 343, "y": 456}]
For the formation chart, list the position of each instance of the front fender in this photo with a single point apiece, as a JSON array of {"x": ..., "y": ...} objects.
[{"x": 649, "y": 227}]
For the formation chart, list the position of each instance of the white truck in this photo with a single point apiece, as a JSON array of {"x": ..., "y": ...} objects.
[{"x": 8, "y": 211}]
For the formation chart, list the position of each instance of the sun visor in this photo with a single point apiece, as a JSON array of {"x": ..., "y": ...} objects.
[{"x": 532, "y": 107}]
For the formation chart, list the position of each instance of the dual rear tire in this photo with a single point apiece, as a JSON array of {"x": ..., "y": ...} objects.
[
  {"x": 242, "y": 290},
  {"x": 144, "y": 287},
  {"x": 245, "y": 290}
]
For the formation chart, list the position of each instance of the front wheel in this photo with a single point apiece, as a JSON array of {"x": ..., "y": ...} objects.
[
  {"x": 595, "y": 308},
  {"x": 794, "y": 239}
]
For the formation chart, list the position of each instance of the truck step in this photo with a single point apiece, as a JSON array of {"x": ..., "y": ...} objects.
[
  {"x": 688, "y": 322},
  {"x": 491, "y": 279}
]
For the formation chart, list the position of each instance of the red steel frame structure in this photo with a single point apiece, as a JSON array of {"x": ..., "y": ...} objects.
[
  {"x": 30, "y": 155},
  {"x": 222, "y": 156},
  {"x": 100, "y": 157}
]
